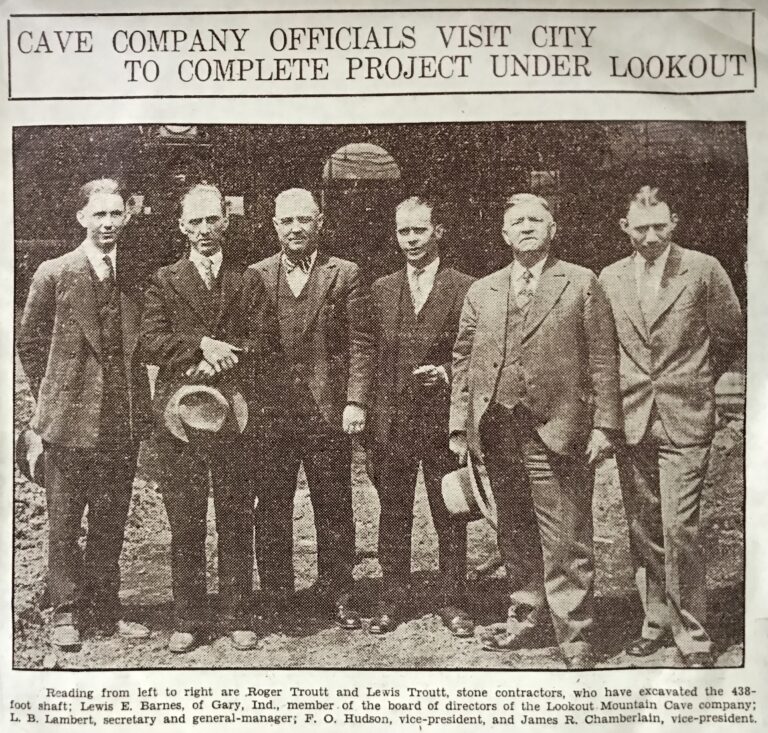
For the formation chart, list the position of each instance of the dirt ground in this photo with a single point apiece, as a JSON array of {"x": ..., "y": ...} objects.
[{"x": 419, "y": 642}]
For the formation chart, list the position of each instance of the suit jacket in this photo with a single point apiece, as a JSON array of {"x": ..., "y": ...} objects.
[
  {"x": 434, "y": 339},
  {"x": 695, "y": 333},
  {"x": 338, "y": 353},
  {"x": 176, "y": 319},
  {"x": 568, "y": 356},
  {"x": 60, "y": 349}
]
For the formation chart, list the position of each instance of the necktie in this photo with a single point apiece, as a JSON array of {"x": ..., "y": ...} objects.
[
  {"x": 647, "y": 290},
  {"x": 417, "y": 292},
  {"x": 304, "y": 264},
  {"x": 207, "y": 273},
  {"x": 526, "y": 292},
  {"x": 109, "y": 269}
]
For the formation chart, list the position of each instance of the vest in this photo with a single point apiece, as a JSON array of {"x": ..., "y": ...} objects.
[
  {"x": 510, "y": 388},
  {"x": 408, "y": 423},
  {"x": 292, "y": 315},
  {"x": 114, "y": 421}
]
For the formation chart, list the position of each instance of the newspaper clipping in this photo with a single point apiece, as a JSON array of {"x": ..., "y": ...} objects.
[{"x": 384, "y": 365}]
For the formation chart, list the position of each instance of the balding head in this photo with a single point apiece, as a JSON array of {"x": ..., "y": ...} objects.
[{"x": 297, "y": 222}]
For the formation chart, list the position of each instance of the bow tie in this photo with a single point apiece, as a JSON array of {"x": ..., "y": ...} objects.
[{"x": 304, "y": 264}]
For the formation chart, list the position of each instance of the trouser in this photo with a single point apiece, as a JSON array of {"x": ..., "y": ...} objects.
[
  {"x": 545, "y": 533},
  {"x": 327, "y": 459},
  {"x": 102, "y": 481},
  {"x": 662, "y": 485},
  {"x": 188, "y": 471},
  {"x": 395, "y": 469}
]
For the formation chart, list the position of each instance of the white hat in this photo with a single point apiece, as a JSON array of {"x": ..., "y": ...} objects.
[{"x": 467, "y": 492}]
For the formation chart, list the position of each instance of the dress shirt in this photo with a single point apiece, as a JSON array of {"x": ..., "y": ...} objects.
[
  {"x": 652, "y": 270},
  {"x": 96, "y": 256},
  {"x": 198, "y": 261},
  {"x": 297, "y": 278},
  {"x": 421, "y": 280},
  {"x": 518, "y": 276}
]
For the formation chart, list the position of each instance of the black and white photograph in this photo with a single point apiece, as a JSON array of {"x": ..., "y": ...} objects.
[{"x": 394, "y": 396}]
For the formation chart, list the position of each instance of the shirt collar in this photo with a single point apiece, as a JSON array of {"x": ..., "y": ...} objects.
[
  {"x": 96, "y": 255},
  {"x": 535, "y": 270},
  {"x": 198, "y": 259},
  {"x": 660, "y": 261},
  {"x": 312, "y": 257},
  {"x": 430, "y": 270}
]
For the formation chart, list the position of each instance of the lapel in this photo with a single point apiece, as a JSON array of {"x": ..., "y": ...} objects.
[
  {"x": 494, "y": 311},
  {"x": 551, "y": 285},
  {"x": 230, "y": 280},
  {"x": 392, "y": 299},
  {"x": 326, "y": 272},
  {"x": 270, "y": 270},
  {"x": 672, "y": 284},
  {"x": 130, "y": 311},
  {"x": 631, "y": 298},
  {"x": 186, "y": 281},
  {"x": 434, "y": 313},
  {"x": 85, "y": 309}
]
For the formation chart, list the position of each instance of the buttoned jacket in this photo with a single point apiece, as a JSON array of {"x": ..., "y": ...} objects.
[
  {"x": 60, "y": 349},
  {"x": 434, "y": 337},
  {"x": 673, "y": 360}
]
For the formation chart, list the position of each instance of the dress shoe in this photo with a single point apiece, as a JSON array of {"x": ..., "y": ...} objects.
[
  {"x": 699, "y": 660},
  {"x": 182, "y": 642},
  {"x": 582, "y": 660},
  {"x": 384, "y": 621},
  {"x": 243, "y": 639},
  {"x": 457, "y": 621},
  {"x": 643, "y": 647},
  {"x": 66, "y": 637},
  {"x": 345, "y": 616}
]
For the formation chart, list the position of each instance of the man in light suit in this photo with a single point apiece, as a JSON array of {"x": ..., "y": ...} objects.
[
  {"x": 319, "y": 398},
  {"x": 679, "y": 326},
  {"x": 77, "y": 344},
  {"x": 535, "y": 393},
  {"x": 417, "y": 316},
  {"x": 203, "y": 324}
]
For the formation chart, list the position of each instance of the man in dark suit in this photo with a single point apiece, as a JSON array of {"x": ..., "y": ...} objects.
[
  {"x": 203, "y": 323},
  {"x": 417, "y": 316},
  {"x": 680, "y": 327},
  {"x": 320, "y": 399},
  {"x": 78, "y": 346},
  {"x": 536, "y": 394}
]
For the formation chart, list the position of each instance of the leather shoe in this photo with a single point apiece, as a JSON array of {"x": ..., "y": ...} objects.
[
  {"x": 244, "y": 639},
  {"x": 132, "y": 630},
  {"x": 643, "y": 647},
  {"x": 66, "y": 637},
  {"x": 457, "y": 621},
  {"x": 699, "y": 660},
  {"x": 182, "y": 642},
  {"x": 384, "y": 622},
  {"x": 582, "y": 660},
  {"x": 345, "y": 616}
]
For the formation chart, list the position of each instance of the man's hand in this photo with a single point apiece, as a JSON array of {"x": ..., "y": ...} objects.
[
  {"x": 219, "y": 354},
  {"x": 599, "y": 446},
  {"x": 430, "y": 375},
  {"x": 458, "y": 445},
  {"x": 203, "y": 370},
  {"x": 353, "y": 419}
]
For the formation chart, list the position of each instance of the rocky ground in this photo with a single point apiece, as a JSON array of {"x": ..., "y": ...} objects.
[{"x": 420, "y": 642}]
